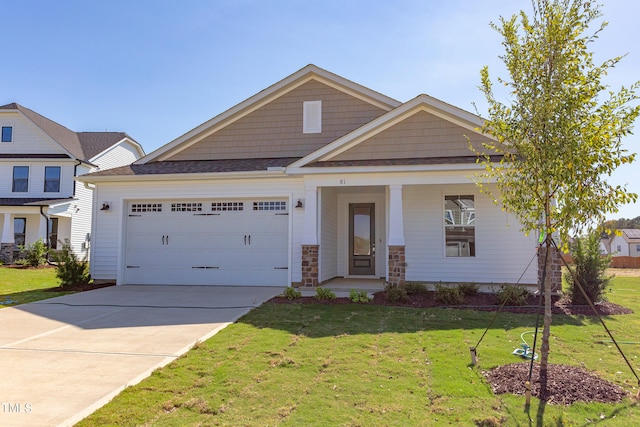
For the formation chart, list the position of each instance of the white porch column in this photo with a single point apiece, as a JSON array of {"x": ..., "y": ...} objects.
[
  {"x": 310, "y": 232},
  {"x": 42, "y": 229},
  {"x": 396, "y": 225},
  {"x": 7, "y": 229}
]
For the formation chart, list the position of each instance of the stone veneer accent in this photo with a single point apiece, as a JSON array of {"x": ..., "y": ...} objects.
[
  {"x": 310, "y": 265},
  {"x": 554, "y": 267},
  {"x": 397, "y": 266},
  {"x": 6, "y": 253}
]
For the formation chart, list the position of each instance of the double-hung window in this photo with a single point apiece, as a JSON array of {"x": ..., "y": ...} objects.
[
  {"x": 460, "y": 226},
  {"x": 19, "y": 231},
  {"x": 7, "y": 134},
  {"x": 52, "y": 179},
  {"x": 20, "y": 179}
]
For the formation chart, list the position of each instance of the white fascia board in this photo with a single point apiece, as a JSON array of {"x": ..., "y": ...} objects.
[
  {"x": 181, "y": 177},
  {"x": 310, "y": 72},
  {"x": 471, "y": 167}
]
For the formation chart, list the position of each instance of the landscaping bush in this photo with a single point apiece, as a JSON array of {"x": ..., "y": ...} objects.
[
  {"x": 395, "y": 294},
  {"x": 468, "y": 288},
  {"x": 512, "y": 295},
  {"x": 415, "y": 288},
  {"x": 359, "y": 296},
  {"x": 324, "y": 294},
  {"x": 449, "y": 295},
  {"x": 291, "y": 293},
  {"x": 35, "y": 254},
  {"x": 589, "y": 268},
  {"x": 71, "y": 271}
]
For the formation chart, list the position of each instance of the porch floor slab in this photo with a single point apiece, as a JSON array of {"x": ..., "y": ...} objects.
[{"x": 342, "y": 286}]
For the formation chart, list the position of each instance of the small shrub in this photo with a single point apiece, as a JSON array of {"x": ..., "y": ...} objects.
[
  {"x": 590, "y": 270},
  {"x": 395, "y": 294},
  {"x": 324, "y": 294},
  {"x": 415, "y": 288},
  {"x": 291, "y": 293},
  {"x": 71, "y": 271},
  {"x": 512, "y": 295},
  {"x": 449, "y": 295},
  {"x": 358, "y": 296},
  {"x": 35, "y": 254},
  {"x": 468, "y": 288}
]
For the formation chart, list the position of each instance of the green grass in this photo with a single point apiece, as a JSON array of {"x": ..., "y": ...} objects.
[
  {"x": 24, "y": 285},
  {"x": 365, "y": 365}
]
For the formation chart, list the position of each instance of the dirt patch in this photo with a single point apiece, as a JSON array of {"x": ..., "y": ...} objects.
[
  {"x": 480, "y": 302},
  {"x": 565, "y": 384}
]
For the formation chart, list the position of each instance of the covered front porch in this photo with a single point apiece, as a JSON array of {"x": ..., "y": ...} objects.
[
  {"x": 26, "y": 221},
  {"x": 353, "y": 235}
]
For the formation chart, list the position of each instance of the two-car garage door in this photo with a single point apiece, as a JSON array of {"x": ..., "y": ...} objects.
[{"x": 207, "y": 242}]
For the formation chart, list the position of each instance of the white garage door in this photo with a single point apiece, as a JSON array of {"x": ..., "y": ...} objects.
[{"x": 207, "y": 242}]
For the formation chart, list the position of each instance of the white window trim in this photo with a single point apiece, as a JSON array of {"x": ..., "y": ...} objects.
[
  {"x": 312, "y": 117},
  {"x": 12, "y": 137},
  {"x": 470, "y": 224}
]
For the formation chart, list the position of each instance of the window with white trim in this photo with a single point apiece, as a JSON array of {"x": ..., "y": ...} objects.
[
  {"x": 7, "y": 134},
  {"x": 52, "y": 179},
  {"x": 20, "y": 179},
  {"x": 270, "y": 206},
  {"x": 312, "y": 117},
  {"x": 460, "y": 226},
  {"x": 146, "y": 207},
  {"x": 186, "y": 207},
  {"x": 227, "y": 206}
]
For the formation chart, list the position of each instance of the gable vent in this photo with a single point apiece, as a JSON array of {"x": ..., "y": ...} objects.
[{"x": 312, "y": 117}]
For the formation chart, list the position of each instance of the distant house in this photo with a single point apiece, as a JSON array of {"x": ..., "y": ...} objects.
[
  {"x": 626, "y": 244},
  {"x": 39, "y": 160},
  {"x": 313, "y": 178}
]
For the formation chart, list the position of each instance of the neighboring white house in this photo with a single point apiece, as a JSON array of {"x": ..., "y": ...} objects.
[
  {"x": 313, "y": 178},
  {"x": 626, "y": 244},
  {"x": 39, "y": 160}
]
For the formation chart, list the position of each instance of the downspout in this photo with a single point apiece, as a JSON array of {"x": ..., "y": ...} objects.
[
  {"x": 46, "y": 219},
  {"x": 75, "y": 174}
]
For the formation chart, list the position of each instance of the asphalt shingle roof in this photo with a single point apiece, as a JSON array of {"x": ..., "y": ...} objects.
[{"x": 81, "y": 145}]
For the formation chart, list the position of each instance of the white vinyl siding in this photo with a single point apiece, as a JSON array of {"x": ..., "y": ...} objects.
[
  {"x": 328, "y": 234},
  {"x": 118, "y": 155},
  {"x": 108, "y": 240},
  {"x": 312, "y": 117},
  {"x": 27, "y": 137},
  {"x": 502, "y": 251}
]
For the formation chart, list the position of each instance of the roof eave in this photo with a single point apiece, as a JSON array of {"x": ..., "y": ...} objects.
[{"x": 271, "y": 173}]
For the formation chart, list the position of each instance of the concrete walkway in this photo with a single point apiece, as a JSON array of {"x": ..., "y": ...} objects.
[{"x": 63, "y": 358}]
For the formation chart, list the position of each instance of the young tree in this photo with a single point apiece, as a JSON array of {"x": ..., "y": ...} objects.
[{"x": 559, "y": 138}]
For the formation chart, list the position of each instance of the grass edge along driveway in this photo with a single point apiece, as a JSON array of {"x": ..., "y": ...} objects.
[{"x": 364, "y": 365}]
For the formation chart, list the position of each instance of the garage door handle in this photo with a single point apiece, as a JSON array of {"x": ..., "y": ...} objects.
[
  {"x": 163, "y": 239},
  {"x": 249, "y": 239}
]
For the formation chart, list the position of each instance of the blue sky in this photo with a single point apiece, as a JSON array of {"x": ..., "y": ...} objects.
[{"x": 157, "y": 69}]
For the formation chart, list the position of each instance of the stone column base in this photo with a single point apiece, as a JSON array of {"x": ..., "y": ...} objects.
[
  {"x": 6, "y": 253},
  {"x": 554, "y": 267},
  {"x": 310, "y": 265},
  {"x": 397, "y": 266}
]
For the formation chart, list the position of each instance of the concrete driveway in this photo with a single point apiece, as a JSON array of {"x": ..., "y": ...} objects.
[{"x": 62, "y": 358}]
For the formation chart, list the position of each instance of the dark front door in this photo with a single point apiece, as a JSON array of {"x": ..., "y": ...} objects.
[{"x": 362, "y": 241}]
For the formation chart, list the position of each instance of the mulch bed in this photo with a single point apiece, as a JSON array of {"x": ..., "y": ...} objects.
[
  {"x": 480, "y": 301},
  {"x": 565, "y": 384},
  {"x": 81, "y": 288}
]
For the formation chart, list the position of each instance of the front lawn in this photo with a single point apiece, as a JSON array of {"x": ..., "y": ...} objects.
[
  {"x": 23, "y": 285},
  {"x": 365, "y": 365}
]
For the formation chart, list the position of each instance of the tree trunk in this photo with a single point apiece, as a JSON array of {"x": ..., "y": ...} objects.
[{"x": 546, "y": 330}]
